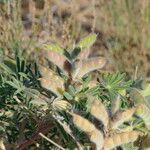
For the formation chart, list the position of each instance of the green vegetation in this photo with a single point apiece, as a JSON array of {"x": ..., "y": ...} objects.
[
  {"x": 59, "y": 90},
  {"x": 36, "y": 100}
]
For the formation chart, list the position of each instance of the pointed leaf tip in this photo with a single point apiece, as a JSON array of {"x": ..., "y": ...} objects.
[{"x": 87, "y": 41}]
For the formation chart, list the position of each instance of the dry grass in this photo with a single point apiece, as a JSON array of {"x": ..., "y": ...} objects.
[{"x": 123, "y": 28}]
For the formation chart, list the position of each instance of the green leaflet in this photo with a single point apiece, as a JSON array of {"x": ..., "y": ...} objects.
[
  {"x": 140, "y": 96},
  {"x": 136, "y": 96},
  {"x": 68, "y": 96},
  {"x": 116, "y": 82},
  {"x": 87, "y": 41},
  {"x": 55, "y": 47},
  {"x": 129, "y": 146},
  {"x": 143, "y": 112},
  {"x": 146, "y": 92},
  {"x": 10, "y": 63}
]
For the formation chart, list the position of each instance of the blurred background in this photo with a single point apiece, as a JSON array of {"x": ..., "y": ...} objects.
[{"x": 122, "y": 26}]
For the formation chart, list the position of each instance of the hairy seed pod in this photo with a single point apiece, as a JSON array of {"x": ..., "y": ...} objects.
[
  {"x": 115, "y": 105},
  {"x": 98, "y": 110},
  {"x": 50, "y": 75},
  {"x": 119, "y": 139},
  {"x": 94, "y": 134},
  {"x": 2, "y": 146},
  {"x": 52, "y": 85},
  {"x": 97, "y": 138},
  {"x": 58, "y": 59},
  {"x": 121, "y": 116},
  {"x": 84, "y": 54},
  {"x": 144, "y": 112},
  {"x": 82, "y": 123},
  {"x": 88, "y": 65},
  {"x": 51, "y": 81}
]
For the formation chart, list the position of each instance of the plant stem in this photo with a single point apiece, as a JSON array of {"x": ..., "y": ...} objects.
[{"x": 49, "y": 140}]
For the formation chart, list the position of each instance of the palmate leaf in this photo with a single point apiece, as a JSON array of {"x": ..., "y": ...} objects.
[
  {"x": 116, "y": 81},
  {"x": 16, "y": 84},
  {"x": 115, "y": 84},
  {"x": 51, "y": 81},
  {"x": 86, "y": 66},
  {"x": 58, "y": 59}
]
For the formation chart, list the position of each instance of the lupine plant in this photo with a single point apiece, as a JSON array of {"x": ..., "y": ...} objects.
[{"x": 70, "y": 103}]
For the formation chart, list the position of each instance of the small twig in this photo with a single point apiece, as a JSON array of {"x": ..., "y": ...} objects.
[
  {"x": 136, "y": 72},
  {"x": 43, "y": 127},
  {"x": 94, "y": 16},
  {"x": 49, "y": 140}
]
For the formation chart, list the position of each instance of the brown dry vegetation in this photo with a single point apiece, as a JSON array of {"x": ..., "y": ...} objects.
[{"x": 122, "y": 27}]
